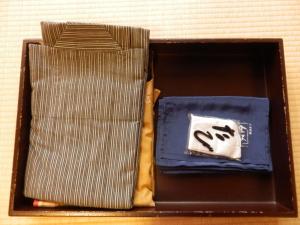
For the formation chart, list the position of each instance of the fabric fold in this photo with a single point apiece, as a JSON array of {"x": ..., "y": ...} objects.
[
  {"x": 173, "y": 126},
  {"x": 87, "y": 113}
]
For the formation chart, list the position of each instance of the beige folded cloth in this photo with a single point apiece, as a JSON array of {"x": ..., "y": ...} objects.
[
  {"x": 87, "y": 111},
  {"x": 144, "y": 189}
]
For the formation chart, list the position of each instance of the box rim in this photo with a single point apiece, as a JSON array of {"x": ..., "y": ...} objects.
[{"x": 293, "y": 212}]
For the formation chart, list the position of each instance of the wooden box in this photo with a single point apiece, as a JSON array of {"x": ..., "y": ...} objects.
[{"x": 232, "y": 67}]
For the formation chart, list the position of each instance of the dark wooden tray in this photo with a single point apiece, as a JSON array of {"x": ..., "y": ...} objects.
[{"x": 242, "y": 67}]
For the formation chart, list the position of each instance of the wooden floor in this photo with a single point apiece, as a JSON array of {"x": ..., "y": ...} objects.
[{"x": 166, "y": 19}]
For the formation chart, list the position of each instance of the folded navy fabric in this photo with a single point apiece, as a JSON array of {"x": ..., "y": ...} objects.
[{"x": 173, "y": 127}]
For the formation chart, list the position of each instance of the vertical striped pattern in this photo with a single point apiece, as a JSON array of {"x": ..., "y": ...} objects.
[{"x": 86, "y": 119}]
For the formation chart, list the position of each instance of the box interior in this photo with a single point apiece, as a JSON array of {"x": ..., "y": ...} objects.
[{"x": 204, "y": 68}]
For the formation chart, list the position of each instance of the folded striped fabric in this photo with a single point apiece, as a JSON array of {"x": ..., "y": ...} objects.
[
  {"x": 87, "y": 108},
  {"x": 143, "y": 195}
]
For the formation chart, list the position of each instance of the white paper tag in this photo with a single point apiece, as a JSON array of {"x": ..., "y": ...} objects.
[{"x": 214, "y": 136}]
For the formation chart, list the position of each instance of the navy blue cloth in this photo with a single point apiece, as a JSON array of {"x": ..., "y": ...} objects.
[{"x": 173, "y": 124}]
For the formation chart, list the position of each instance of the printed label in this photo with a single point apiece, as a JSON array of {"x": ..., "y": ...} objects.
[
  {"x": 246, "y": 132},
  {"x": 215, "y": 136}
]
